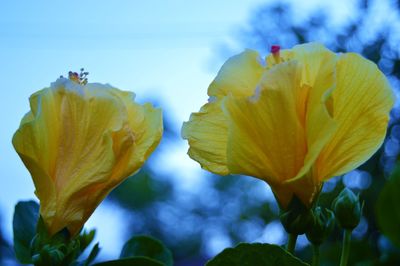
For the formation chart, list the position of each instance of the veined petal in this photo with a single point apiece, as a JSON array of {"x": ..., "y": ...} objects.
[
  {"x": 85, "y": 151},
  {"x": 206, "y": 130},
  {"x": 361, "y": 103},
  {"x": 238, "y": 76},
  {"x": 148, "y": 132},
  {"x": 317, "y": 60},
  {"x": 144, "y": 124},
  {"x": 207, "y": 134},
  {"x": 45, "y": 188},
  {"x": 128, "y": 146},
  {"x": 80, "y": 131},
  {"x": 37, "y": 148},
  {"x": 266, "y": 137},
  {"x": 319, "y": 73}
]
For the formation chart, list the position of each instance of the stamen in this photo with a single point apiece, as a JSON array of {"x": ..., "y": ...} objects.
[
  {"x": 275, "y": 53},
  {"x": 275, "y": 49},
  {"x": 80, "y": 78}
]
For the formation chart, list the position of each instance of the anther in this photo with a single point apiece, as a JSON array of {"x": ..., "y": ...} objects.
[{"x": 80, "y": 78}]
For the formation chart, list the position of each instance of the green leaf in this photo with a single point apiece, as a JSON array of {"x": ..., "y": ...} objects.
[
  {"x": 26, "y": 215},
  {"x": 93, "y": 253},
  {"x": 85, "y": 239},
  {"x": 147, "y": 247},
  {"x": 388, "y": 208},
  {"x": 258, "y": 254},
  {"x": 134, "y": 261}
]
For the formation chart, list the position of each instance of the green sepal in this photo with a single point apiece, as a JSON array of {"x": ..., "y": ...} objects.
[
  {"x": 145, "y": 246},
  {"x": 258, "y": 254},
  {"x": 61, "y": 248},
  {"x": 48, "y": 255},
  {"x": 296, "y": 218},
  {"x": 85, "y": 239},
  {"x": 26, "y": 215}
]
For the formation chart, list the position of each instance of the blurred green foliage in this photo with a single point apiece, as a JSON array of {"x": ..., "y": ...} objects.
[{"x": 388, "y": 209}]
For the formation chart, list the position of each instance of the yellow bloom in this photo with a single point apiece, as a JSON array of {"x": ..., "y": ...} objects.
[
  {"x": 294, "y": 120},
  {"x": 79, "y": 141}
]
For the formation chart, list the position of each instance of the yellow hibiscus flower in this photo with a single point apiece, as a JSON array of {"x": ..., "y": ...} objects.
[
  {"x": 79, "y": 141},
  {"x": 293, "y": 119}
]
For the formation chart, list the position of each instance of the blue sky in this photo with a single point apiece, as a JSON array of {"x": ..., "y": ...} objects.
[
  {"x": 158, "y": 49},
  {"x": 165, "y": 50}
]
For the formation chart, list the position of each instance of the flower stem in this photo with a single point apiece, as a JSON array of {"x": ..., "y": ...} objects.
[
  {"x": 315, "y": 258},
  {"x": 346, "y": 247},
  {"x": 291, "y": 243}
]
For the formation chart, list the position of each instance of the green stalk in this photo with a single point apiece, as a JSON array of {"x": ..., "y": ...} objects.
[
  {"x": 346, "y": 247},
  {"x": 291, "y": 243},
  {"x": 315, "y": 258}
]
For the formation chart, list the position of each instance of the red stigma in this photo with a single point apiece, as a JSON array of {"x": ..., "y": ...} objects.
[{"x": 275, "y": 49}]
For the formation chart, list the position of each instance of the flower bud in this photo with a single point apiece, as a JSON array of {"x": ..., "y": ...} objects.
[
  {"x": 347, "y": 209},
  {"x": 297, "y": 219},
  {"x": 324, "y": 223}
]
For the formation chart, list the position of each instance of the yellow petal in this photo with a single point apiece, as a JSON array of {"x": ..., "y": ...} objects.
[
  {"x": 318, "y": 64},
  {"x": 239, "y": 75},
  {"x": 36, "y": 148},
  {"x": 361, "y": 103},
  {"x": 206, "y": 130},
  {"x": 132, "y": 143},
  {"x": 314, "y": 57},
  {"x": 148, "y": 131},
  {"x": 145, "y": 124},
  {"x": 207, "y": 133},
  {"x": 266, "y": 137}
]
